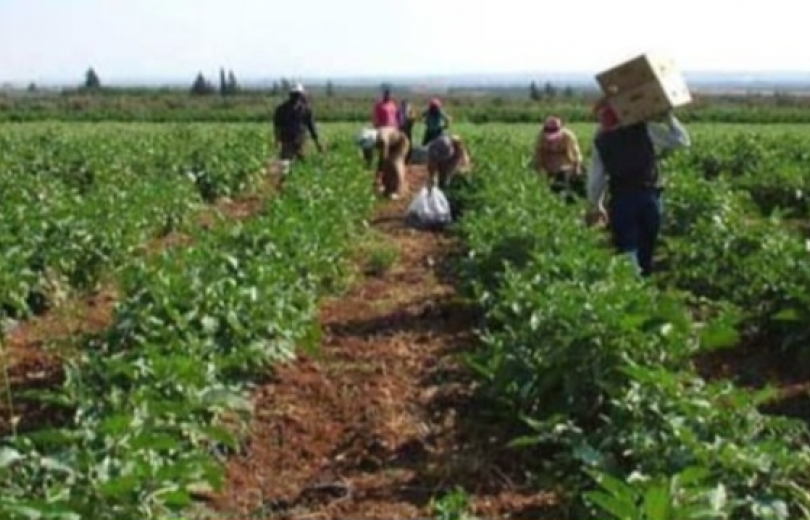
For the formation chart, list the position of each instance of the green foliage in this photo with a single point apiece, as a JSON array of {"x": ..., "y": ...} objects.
[
  {"x": 79, "y": 202},
  {"x": 452, "y": 506},
  {"x": 598, "y": 363},
  {"x": 349, "y": 104},
  {"x": 156, "y": 396}
]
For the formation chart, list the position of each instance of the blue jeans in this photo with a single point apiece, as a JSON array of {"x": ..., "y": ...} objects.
[{"x": 635, "y": 220}]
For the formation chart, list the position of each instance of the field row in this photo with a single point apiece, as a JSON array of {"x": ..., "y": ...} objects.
[
  {"x": 154, "y": 401},
  {"x": 256, "y": 107},
  {"x": 604, "y": 368}
]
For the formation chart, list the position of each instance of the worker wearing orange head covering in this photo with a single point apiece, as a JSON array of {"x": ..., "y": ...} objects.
[
  {"x": 624, "y": 166},
  {"x": 557, "y": 155}
]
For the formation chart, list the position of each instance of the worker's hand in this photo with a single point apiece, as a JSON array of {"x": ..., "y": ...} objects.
[{"x": 596, "y": 216}]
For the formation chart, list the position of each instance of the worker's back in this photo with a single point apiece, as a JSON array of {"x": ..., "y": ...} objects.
[
  {"x": 291, "y": 119},
  {"x": 628, "y": 156}
]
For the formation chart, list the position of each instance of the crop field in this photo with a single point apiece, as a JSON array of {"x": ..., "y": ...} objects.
[{"x": 183, "y": 338}]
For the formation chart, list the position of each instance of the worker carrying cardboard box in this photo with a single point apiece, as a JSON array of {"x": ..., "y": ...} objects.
[
  {"x": 644, "y": 87},
  {"x": 624, "y": 164}
]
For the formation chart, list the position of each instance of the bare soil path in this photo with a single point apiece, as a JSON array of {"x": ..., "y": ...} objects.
[{"x": 381, "y": 420}]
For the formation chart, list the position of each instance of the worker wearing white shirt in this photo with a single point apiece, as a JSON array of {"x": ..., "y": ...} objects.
[{"x": 624, "y": 163}]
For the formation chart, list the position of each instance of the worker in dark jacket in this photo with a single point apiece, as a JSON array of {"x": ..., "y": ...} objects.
[
  {"x": 291, "y": 120},
  {"x": 624, "y": 163}
]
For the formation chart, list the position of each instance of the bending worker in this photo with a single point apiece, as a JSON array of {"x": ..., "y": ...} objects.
[
  {"x": 557, "y": 155},
  {"x": 624, "y": 163},
  {"x": 392, "y": 147},
  {"x": 446, "y": 154}
]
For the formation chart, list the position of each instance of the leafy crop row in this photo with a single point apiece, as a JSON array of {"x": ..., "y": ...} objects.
[
  {"x": 599, "y": 363},
  {"x": 508, "y": 106},
  {"x": 155, "y": 398},
  {"x": 80, "y": 201},
  {"x": 736, "y": 209}
]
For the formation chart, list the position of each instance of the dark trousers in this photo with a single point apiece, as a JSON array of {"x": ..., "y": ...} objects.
[
  {"x": 572, "y": 187},
  {"x": 292, "y": 150},
  {"x": 635, "y": 221}
]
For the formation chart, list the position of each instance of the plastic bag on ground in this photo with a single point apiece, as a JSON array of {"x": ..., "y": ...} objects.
[{"x": 429, "y": 209}]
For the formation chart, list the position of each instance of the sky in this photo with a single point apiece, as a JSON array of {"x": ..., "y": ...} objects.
[{"x": 175, "y": 39}]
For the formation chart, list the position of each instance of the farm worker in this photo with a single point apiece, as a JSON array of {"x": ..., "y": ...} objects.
[
  {"x": 385, "y": 112},
  {"x": 407, "y": 118},
  {"x": 446, "y": 154},
  {"x": 291, "y": 120},
  {"x": 366, "y": 140},
  {"x": 436, "y": 121},
  {"x": 624, "y": 163},
  {"x": 557, "y": 155},
  {"x": 392, "y": 146}
]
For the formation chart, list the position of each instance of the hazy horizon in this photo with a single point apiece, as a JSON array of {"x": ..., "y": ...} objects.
[{"x": 470, "y": 79}]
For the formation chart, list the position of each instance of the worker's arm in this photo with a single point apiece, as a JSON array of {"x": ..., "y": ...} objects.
[
  {"x": 670, "y": 134},
  {"x": 597, "y": 182},
  {"x": 574, "y": 152},
  {"x": 310, "y": 122},
  {"x": 445, "y": 120}
]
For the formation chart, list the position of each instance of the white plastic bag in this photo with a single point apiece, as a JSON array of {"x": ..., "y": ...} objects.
[{"x": 429, "y": 208}]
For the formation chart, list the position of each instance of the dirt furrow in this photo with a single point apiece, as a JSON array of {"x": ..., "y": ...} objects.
[{"x": 382, "y": 419}]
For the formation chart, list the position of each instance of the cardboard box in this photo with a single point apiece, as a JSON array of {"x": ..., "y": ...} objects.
[{"x": 644, "y": 88}]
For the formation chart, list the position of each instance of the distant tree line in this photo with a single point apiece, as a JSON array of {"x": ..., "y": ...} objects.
[
  {"x": 228, "y": 86},
  {"x": 91, "y": 100}
]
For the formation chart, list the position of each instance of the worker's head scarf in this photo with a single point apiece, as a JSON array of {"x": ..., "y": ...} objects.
[
  {"x": 608, "y": 118},
  {"x": 552, "y": 128}
]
